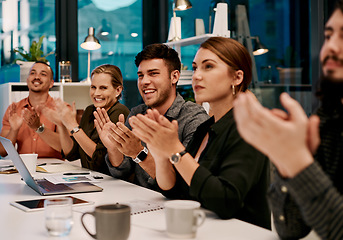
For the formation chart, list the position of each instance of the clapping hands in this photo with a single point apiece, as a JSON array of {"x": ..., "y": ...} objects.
[
  {"x": 288, "y": 139},
  {"x": 15, "y": 118}
]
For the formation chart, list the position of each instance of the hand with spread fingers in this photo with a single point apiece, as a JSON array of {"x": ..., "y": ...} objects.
[
  {"x": 121, "y": 137},
  {"x": 288, "y": 139},
  {"x": 31, "y": 118},
  {"x": 158, "y": 132},
  {"x": 15, "y": 118},
  {"x": 104, "y": 126},
  {"x": 130, "y": 144},
  {"x": 50, "y": 113},
  {"x": 67, "y": 114}
]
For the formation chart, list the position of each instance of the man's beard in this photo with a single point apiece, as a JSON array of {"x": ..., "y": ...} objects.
[
  {"x": 330, "y": 92},
  {"x": 36, "y": 91}
]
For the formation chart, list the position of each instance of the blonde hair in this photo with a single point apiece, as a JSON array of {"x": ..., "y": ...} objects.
[{"x": 114, "y": 72}]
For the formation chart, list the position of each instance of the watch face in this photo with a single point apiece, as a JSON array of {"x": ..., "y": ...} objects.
[
  {"x": 141, "y": 156},
  {"x": 40, "y": 129},
  {"x": 175, "y": 158},
  {"x": 74, "y": 130}
]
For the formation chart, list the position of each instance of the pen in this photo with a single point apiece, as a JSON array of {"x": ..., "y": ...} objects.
[
  {"x": 43, "y": 164},
  {"x": 81, "y": 173},
  {"x": 8, "y": 166}
]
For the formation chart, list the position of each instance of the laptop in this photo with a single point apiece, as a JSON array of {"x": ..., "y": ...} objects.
[{"x": 42, "y": 186}]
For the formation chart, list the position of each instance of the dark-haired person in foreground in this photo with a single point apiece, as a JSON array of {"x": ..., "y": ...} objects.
[
  {"x": 158, "y": 73},
  {"x": 22, "y": 124},
  {"x": 307, "y": 192}
]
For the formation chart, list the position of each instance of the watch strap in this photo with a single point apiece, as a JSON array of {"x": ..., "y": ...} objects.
[
  {"x": 141, "y": 155},
  {"x": 182, "y": 153}
]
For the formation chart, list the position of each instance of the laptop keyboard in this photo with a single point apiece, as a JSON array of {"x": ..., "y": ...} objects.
[{"x": 50, "y": 187}]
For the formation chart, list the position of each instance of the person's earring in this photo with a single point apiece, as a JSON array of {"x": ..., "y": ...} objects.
[{"x": 233, "y": 90}]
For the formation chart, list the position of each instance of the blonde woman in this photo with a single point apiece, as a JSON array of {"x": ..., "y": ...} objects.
[{"x": 83, "y": 141}]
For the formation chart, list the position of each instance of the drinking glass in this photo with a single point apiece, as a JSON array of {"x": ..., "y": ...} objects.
[
  {"x": 65, "y": 71},
  {"x": 58, "y": 216}
]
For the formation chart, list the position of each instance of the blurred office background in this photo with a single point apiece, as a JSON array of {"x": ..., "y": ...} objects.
[{"x": 291, "y": 30}]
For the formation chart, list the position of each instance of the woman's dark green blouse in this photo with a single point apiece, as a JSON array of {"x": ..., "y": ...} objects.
[{"x": 97, "y": 161}]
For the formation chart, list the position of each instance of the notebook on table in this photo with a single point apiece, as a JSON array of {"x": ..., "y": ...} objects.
[{"x": 42, "y": 186}]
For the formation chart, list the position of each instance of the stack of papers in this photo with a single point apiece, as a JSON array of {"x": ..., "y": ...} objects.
[
  {"x": 60, "y": 178},
  {"x": 56, "y": 167},
  {"x": 6, "y": 166}
]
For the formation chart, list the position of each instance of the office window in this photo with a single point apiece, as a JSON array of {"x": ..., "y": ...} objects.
[
  {"x": 282, "y": 26},
  {"x": 23, "y": 21},
  {"x": 270, "y": 28},
  {"x": 118, "y": 26},
  {"x": 270, "y": 4},
  {"x": 285, "y": 31}
]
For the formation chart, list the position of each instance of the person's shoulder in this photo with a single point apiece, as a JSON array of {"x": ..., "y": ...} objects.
[
  {"x": 117, "y": 109},
  {"x": 226, "y": 125},
  {"x": 193, "y": 109},
  {"x": 192, "y": 115},
  {"x": 141, "y": 108},
  {"x": 23, "y": 101},
  {"x": 90, "y": 108},
  {"x": 122, "y": 107},
  {"x": 20, "y": 104},
  {"x": 191, "y": 104}
]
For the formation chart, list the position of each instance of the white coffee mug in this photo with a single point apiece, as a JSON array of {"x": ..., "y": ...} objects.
[
  {"x": 183, "y": 217},
  {"x": 30, "y": 161}
]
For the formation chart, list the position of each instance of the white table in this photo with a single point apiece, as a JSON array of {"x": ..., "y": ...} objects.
[{"x": 17, "y": 224}]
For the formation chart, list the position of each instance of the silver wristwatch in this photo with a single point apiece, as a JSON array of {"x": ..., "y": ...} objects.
[
  {"x": 175, "y": 158},
  {"x": 74, "y": 130},
  {"x": 141, "y": 155},
  {"x": 40, "y": 129}
]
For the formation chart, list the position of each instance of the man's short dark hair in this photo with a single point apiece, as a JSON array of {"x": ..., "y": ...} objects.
[
  {"x": 160, "y": 51},
  {"x": 339, "y": 5},
  {"x": 52, "y": 72}
]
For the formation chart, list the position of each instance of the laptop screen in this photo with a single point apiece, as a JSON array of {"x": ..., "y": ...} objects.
[
  {"x": 27, "y": 177},
  {"x": 18, "y": 163}
]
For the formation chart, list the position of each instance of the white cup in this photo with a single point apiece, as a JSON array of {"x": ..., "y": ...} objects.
[
  {"x": 58, "y": 216},
  {"x": 30, "y": 161},
  {"x": 183, "y": 217}
]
